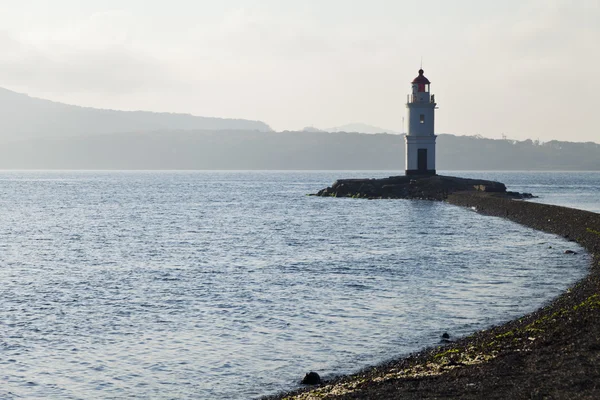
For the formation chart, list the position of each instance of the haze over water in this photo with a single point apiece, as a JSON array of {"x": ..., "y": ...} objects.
[{"x": 225, "y": 285}]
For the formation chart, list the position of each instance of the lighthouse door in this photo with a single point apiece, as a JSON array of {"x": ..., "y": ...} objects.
[{"x": 422, "y": 160}]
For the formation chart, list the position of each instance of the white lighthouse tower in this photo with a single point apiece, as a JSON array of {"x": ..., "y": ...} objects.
[{"x": 420, "y": 139}]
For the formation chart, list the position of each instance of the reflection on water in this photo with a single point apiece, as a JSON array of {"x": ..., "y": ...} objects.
[{"x": 228, "y": 285}]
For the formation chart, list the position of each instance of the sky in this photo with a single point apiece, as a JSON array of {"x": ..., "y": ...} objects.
[{"x": 523, "y": 69}]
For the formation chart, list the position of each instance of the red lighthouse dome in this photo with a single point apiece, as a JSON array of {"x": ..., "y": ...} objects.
[
  {"x": 421, "y": 78},
  {"x": 421, "y": 82}
]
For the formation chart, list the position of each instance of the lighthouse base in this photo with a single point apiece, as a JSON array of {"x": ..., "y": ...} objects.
[
  {"x": 420, "y": 155},
  {"x": 413, "y": 172}
]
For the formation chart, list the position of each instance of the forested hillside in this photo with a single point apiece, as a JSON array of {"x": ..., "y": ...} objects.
[{"x": 226, "y": 149}]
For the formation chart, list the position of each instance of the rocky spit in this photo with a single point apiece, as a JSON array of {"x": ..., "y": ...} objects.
[
  {"x": 426, "y": 187},
  {"x": 553, "y": 353}
]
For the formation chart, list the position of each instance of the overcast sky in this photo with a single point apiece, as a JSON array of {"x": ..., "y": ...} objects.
[{"x": 523, "y": 68}]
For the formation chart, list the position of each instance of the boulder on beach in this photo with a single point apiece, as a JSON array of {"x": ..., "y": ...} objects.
[
  {"x": 445, "y": 338},
  {"x": 312, "y": 378}
]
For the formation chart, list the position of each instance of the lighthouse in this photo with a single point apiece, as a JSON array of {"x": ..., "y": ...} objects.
[{"x": 420, "y": 138}]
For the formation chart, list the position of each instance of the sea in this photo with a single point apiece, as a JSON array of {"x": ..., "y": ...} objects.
[{"x": 234, "y": 284}]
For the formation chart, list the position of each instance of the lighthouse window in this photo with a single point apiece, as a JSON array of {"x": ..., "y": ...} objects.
[{"x": 422, "y": 118}]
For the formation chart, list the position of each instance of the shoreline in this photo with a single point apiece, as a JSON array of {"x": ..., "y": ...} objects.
[{"x": 552, "y": 352}]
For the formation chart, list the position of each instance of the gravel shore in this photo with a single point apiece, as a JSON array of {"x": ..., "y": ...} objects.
[{"x": 553, "y": 353}]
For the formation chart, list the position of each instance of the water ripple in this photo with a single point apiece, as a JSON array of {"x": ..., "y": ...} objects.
[{"x": 232, "y": 285}]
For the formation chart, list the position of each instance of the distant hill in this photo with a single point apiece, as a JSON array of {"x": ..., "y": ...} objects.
[
  {"x": 312, "y": 129},
  {"x": 360, "y": 128},
  {"x": 240, "y": 150},
  {"x": 22, "y": 116}
]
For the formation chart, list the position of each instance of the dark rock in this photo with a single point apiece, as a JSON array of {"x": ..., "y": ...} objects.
[
  {"x": 521, "y": 196},
  {"x": 312, "y": 378},
  {"x": 434, "y": 187},
  {"x": 570, "y": 252},
  {"x": 445, "y": 338}
]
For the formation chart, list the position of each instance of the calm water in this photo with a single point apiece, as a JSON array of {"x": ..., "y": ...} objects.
[{"x": 232, "y": 285}]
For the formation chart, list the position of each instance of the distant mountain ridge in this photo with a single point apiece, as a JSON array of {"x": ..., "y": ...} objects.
[
  {"x": 41, "y": 134},
  {"x": 253, "y": 150},
  {"x": 359, "y": 127},
  {"x": 22, "y": 117}
]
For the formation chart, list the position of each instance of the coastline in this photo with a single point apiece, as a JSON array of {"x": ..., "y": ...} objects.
[{"x": 553, "y": 352}]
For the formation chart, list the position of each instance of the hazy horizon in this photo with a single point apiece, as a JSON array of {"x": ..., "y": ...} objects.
[{"x": 524, "y": 69}]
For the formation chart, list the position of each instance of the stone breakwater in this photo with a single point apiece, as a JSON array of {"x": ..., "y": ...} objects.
[
  {"x": 552, "y": 353},
  {"x": 435, "y": 187}
]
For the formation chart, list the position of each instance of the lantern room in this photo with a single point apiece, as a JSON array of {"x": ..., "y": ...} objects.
[{"x": 420, "y": 88}]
